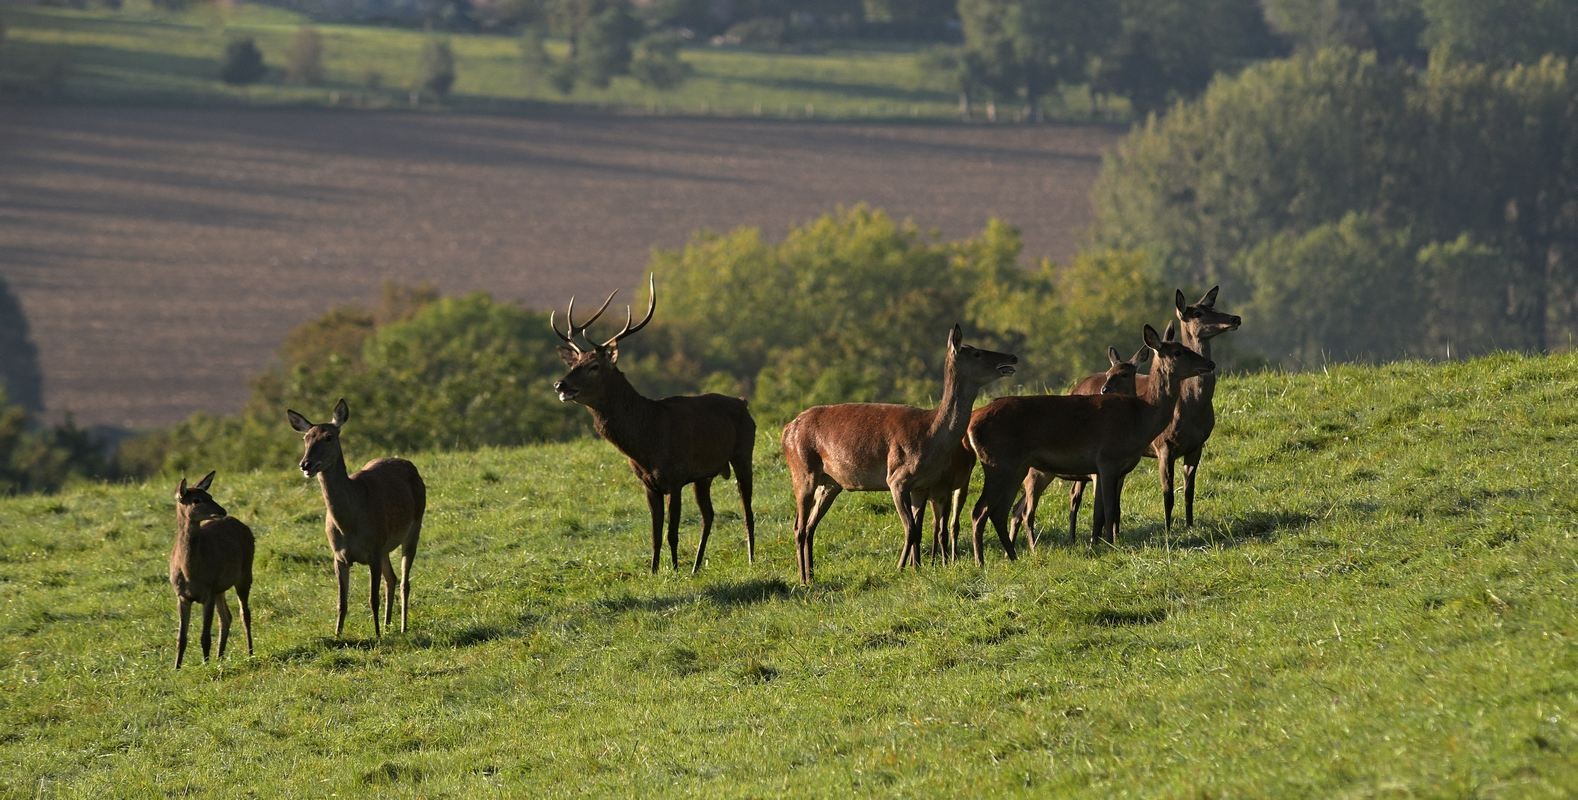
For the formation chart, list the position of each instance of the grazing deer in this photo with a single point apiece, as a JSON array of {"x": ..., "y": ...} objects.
[
  {"x": 1118, "y": 379},
  {"x": 867, "y": 447},
  {"x": 368, "y": 514},
  {"x": 1105, "y": 435},
  {"x": 212, "y": 554},
  {"x": 671, "y": 443}
]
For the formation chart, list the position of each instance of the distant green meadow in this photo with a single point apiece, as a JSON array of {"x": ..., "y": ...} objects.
[
  {"x": 146, "y": 56},
  {"x": 1377, "y": 600}
]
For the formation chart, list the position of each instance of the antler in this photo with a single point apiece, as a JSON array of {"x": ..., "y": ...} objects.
[
  {"x": 652, "y": 288},
  {"x": 572, "y": 329}
]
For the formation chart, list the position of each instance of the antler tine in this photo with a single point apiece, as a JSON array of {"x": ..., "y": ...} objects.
[
  {"x": 555, "y": 325},
  {"x": 651, "y": 309}
]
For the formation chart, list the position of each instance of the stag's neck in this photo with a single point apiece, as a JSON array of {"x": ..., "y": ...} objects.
[
  {"x": 624, "y": 417},
  {"x": 1201, "y": 388},
  {"x": 340, "y": 494}
]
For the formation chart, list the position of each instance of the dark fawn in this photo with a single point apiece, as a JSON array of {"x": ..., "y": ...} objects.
[
  {"x": 369, "y": 513},
  {"x": 912, "y": 453},
  {"x": 1103, "y": 435},
  {"x": 671, "y": 443},
  {"x": 212, "y": 554},
  {"x": 1120, "y": 378}
]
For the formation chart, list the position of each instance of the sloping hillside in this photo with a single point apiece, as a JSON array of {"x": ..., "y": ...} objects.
[{"x": 1378, "y": 600}]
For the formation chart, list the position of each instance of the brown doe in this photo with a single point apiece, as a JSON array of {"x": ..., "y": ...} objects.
[
  {"x": 867, "y": 447},
  {"x": 212, "y": 554},
  {"x": 1120, "y": 378},
  {"x": 368, "y": 514},
  {"x": 672, "y": 442},
  {"x": 1105, "y": 435},
  {"x": 1191, "y": 426}
]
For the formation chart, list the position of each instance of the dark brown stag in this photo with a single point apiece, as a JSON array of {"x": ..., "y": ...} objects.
[
  {"x": 671, "y": 443},
  {"x": 867, "y": 447},
  {"x": 1104, "y": 435}
]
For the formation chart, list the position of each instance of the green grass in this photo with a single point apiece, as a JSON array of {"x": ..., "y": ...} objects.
[
  {"x": 144, "y": 56},
  {"x": 1377, "y": 600}
]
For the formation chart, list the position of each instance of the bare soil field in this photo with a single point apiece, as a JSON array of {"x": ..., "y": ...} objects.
[{"x": 161, "y": 255}]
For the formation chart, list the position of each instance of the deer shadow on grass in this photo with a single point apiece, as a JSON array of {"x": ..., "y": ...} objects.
[
  {"x": 1251, "y": 528},
  {"x": 724, "y": 596}
]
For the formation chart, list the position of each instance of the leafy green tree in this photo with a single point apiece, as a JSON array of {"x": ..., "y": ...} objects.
[
  {"x": 1170, "y": 49},
  {"x": 1391, "y": 28},
  {"x": 304, "y": 64},
  {"x": 1501, "y": 32},
  {"x": 36, "y": 458},
  {"x": 605, "y": 46},
  {"x": 1029, "y": 48}
]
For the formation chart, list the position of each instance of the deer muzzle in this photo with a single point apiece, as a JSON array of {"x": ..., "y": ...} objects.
[{"x": 565, "y": 391}]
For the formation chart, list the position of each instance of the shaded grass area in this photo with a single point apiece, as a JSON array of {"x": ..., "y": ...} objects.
[
  {"x": 148, "y": 56},
  {"x": 1377, "y": 599}
]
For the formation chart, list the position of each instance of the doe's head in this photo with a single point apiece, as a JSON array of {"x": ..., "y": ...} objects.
[
  {"x": 592, "y": 365},
  {"x": 321, "y": 440},
  {"x": 1172, "y": 356},
  {"x": 1201, "y": 320},
  {"x": 975, "y": 366},
  {"x": 1122, "y": 375},
  {"x": 195, "y": 503}
]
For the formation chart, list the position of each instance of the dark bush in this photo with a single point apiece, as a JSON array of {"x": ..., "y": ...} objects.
[
  {"x": 242, "y": 62},
  {"x": 304, "y": 64},
  {"x": 438, "y": 67},
  {"x": 657, "y": 63}
]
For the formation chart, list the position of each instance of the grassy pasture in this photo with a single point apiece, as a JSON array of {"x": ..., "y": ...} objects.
[
  {"x": 1378, "y": 600},
  {"x": 146, "y": 56}
]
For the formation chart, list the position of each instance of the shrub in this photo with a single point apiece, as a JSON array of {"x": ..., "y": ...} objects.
[
  {"x": 657, "y": 63},
  {"x": 304, "y": 64},
  {"x": 242, "y": 62},
  {"x": 438, "y": 67},
  {"x": 35, "y": 458}
]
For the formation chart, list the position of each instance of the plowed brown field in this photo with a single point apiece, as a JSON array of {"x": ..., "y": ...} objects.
[{"x": 160, "y": 255}]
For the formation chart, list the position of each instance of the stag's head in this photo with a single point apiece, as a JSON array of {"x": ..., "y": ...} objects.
[
  {"x": 1121, "y": 374},
  {"x": 322, "y": 441},
  {"x": 1202, "y": 321},
  {"x": 194, "y": 503},
  {"x": 974, "y": 366},
  {"x": 1175, "y": 358},
  {"x": 593, "y": 366}
]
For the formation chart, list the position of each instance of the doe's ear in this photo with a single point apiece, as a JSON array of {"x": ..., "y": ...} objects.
[
  {"x": 207, "y": 481},
  {"x": 180, "y": 489},
  {"x": 1138, "y": 354},
  {"x": 1112, "y": 356},
  {"x": 1209, "y": 299},
  {"x": 568, "y": 355},
  {"x": 1179, "y": 302},
  {"x": 1151, "y": 340},
  {"x": 342, "y": 413},
  {"x": 298, "y": 422},
  {"x": 1172, "y": 333},
  {"x": 955, "y": 337}
]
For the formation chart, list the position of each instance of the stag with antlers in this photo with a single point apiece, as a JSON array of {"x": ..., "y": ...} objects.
[{"x": 671, "y": 443}]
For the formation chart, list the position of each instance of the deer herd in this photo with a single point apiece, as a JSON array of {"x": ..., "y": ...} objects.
[{"x": 922, "y": 457}]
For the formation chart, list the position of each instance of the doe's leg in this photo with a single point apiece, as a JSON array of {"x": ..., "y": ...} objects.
[
  {"x": 224, "y": 622},
  {"x": 342, "y": 574},
  {"x": 184, "y": 610}
]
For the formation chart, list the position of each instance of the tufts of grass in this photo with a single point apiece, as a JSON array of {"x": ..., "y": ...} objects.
[{"x": 1377, "y": 599}]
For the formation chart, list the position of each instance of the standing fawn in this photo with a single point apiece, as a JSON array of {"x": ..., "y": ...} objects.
[
  {"x": 1119, "y": 378},
  {"x": 212, "y": 553},
  {"x": 1104, "y": 435},
  {"x": 671, "y": 443},
  {"x": 869, "y": 447},
  {"x": 368, "y": 514}
]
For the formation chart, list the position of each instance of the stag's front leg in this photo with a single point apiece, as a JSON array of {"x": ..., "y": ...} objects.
[
  {"x": 673, "y": 529},
  {"x": 342, "y": 574},
  {"x": 655, "y": 505},
  {"x": 703, "y": 504},
  {"x": 374, "y": 573},
  {"x": 1191, "y": 463},
  {"x": 184, "y": 609}
]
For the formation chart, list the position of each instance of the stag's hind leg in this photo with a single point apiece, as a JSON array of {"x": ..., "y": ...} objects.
[
  {"x": 655, "y": 505},
  {"x": 407, "y": 558},
  {"x": 704, "y": 505},
  {"x": 742, "y": 478},
  {"x": 387, "y": 568}
]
